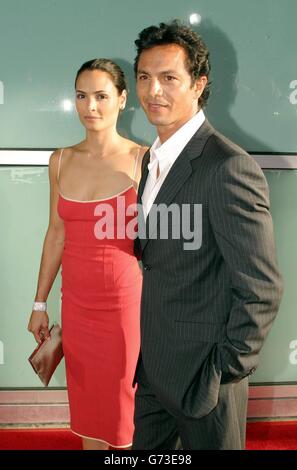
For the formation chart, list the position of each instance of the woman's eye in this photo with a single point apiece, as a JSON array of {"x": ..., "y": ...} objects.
[
  {"x": 101, "y": 97},
  {"x": 80, "y": 96}
]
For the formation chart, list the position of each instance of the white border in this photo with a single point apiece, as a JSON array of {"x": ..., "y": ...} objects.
[
  {"x": 282, "y": 162},
  {"x": 24, "y": 157},
  {"x": 41, "y": 157}
]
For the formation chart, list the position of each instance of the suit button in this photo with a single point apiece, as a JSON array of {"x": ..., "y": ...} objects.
[{"x": 147, "y": 267}]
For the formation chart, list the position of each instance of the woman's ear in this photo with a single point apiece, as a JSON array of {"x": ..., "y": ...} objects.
[{"x": 123, "y": 100}]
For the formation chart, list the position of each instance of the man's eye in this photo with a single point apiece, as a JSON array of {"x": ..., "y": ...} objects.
[
  {"x": 142, "y": 77},
  {"x": 169, "y": 78}
]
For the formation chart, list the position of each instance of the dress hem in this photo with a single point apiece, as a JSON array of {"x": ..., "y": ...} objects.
[{"x": 101, "y": 440}]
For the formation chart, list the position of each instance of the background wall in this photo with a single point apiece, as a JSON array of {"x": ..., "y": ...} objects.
[
  {"x": 253, "y": 53},
  {"x": 254, "y": 102}
]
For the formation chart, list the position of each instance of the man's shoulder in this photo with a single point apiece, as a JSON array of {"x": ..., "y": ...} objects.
[
  {"x": 221, "y": 153},
  {"x": 214, "y": 144},
  {"x": 223, "y": 147}
]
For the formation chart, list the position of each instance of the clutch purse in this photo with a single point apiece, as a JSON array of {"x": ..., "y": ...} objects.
[{"x": 48, "y": 354}]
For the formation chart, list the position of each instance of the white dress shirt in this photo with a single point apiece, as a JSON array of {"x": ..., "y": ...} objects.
[{"x": 165, "y": 155}]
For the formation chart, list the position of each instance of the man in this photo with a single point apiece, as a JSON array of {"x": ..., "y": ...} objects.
[{"x": 206, "y": 308}]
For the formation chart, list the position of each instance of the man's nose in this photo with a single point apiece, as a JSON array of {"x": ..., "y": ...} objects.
[{"x": 155, "y": 88}]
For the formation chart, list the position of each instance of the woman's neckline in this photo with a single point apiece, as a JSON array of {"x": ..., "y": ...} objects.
[{"x": 97, "y": 200}]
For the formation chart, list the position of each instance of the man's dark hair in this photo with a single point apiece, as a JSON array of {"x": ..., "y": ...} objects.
[{"x": 175, "y": 32}]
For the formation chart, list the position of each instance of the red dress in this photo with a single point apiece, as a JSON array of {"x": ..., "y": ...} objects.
[{"x": 101, "y": 288}]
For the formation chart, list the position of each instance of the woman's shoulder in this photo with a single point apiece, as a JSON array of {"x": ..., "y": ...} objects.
[
  {"x": 64, "y": 152},
  {"x": 54, "y": 158},
  {"x": 142, "y": 151},
  {"x": 137, "y": 152},
  {"x": 136, "y": 149}
]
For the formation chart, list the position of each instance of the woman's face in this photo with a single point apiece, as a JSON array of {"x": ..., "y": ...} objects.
[{"x": 97, "y": 100}]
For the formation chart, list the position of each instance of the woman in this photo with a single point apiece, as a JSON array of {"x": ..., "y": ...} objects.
[{"x": 92, "y": 204}]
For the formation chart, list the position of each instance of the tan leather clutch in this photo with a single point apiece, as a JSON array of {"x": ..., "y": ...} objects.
[{"x": 48, "y": 354}]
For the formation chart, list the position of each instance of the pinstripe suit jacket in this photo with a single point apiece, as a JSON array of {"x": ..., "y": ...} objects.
[{"x": 205, "y": 313}]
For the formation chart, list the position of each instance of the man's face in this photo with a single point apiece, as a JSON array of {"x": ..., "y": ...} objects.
[{"x": 165, "y": 90}]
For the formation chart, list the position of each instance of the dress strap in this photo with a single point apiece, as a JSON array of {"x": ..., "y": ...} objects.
[
  {"x": 135, "y": 164},
  {"x": 59, "y": 165}
]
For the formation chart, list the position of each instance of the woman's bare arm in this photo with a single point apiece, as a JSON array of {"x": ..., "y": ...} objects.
[{"x": 51, "y": 254}]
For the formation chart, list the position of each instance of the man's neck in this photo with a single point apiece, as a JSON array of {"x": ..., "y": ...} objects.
[{"x": 165, "y": 132}]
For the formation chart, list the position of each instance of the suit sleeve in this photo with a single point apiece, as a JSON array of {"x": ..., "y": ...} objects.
[{"x": 242, "y": 226}]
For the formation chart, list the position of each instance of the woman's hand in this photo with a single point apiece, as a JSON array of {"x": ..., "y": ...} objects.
[{"x": 38, "y": 325}]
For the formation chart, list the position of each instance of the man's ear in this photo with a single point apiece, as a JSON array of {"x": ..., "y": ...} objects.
[{"x": 199, "y": 85}]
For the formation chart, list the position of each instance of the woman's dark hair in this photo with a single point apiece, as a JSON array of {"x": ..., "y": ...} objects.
[
  {"x": 197, "y": 62},
  {"x": 106, "y": 65}
]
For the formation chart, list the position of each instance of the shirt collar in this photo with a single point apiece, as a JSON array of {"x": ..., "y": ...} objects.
[{"x": 165, "y": 154}]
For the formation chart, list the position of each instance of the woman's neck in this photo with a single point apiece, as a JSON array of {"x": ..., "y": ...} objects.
[{"x": 102, "y": 144}]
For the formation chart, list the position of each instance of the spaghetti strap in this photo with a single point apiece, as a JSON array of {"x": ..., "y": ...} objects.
[
  {"x": 135, "y": 164},
  {"x": 61, "y": 153}
]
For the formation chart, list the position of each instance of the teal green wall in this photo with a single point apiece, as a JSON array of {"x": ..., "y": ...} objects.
[
  {"x": 279, "y": 355},
  {"x": 253, "y": 54},
  {"x": 253, "y": 101},
  {"x": 24, "y": 209}
]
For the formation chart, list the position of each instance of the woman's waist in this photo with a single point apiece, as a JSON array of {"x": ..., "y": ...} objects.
[
  {"x": 105, "y": 270},
  {"x": 98, "y": 252},
  {"x": 75, "y": 244}
]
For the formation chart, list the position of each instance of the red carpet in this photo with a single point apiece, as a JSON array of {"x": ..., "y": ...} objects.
[
  {"x": 39, "y": 439},
  {"x": 260, "y": 436},
  {"x": 277, "y": 435}
]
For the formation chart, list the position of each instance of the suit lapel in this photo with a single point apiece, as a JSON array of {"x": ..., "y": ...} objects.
[
  {"x": 144, "y": 175},
  {"x": 176, "y": 178}
]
